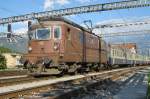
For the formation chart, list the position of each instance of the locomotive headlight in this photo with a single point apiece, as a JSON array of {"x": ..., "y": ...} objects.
[
  {"x": 56, "y": 46},
  {"x": 30, "y": 49}
]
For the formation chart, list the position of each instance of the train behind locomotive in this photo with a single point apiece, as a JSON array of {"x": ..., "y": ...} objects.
[{"x": 60, "y": 46}]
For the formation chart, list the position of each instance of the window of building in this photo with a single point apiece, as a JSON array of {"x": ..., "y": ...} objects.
[{"x": 113, "y": 52}]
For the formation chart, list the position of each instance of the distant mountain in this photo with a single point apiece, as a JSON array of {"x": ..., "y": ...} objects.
[{"x": 20, "y": 46}]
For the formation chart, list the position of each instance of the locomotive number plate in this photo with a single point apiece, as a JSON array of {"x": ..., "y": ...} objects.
[{"x": 41, "y": 43}]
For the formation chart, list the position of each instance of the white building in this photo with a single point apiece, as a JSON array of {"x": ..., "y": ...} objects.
[{"x": 12, "y": 59}]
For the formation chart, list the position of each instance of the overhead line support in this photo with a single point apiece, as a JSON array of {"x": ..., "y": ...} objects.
[{"x": 78, "y": 10}]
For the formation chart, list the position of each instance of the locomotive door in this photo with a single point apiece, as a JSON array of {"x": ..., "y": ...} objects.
[
  {"x": 84, "y": 48},
  {"x": 58, "y": 41},
  {"x": 99, "y": 51}
]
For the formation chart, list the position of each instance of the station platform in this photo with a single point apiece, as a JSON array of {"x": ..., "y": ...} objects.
[{"x": 135, "y": 87}]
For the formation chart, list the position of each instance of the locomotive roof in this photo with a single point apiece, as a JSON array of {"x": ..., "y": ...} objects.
[{"x": 66, "y": 21}]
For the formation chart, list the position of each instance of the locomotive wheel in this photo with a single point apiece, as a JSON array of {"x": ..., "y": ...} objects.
[
  {"x": 30, "y": 68},
  {"x": 74, "y": 73},
  {"x": 98, "y": 69},
  {"x": 73, "y": 69},
  {"x": 61, "y": 73},
  {"x": 40, "y": 68}
]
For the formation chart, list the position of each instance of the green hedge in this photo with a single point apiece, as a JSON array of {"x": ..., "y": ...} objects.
[
  {"x": 2, "y": 62},
  {"x": 5, "y": 50},
  {"x": 148, "y": 90}
]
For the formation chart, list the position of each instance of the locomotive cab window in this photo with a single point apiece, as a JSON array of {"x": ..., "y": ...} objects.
[
  {"x": 43, "y": 34},
  {"x": 57, "y": 32}
]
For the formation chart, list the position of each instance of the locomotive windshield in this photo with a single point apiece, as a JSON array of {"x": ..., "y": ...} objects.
[{"x": 43, "y": 34}]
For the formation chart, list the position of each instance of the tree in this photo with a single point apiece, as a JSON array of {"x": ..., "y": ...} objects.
[{"x": 2, "y": 62}]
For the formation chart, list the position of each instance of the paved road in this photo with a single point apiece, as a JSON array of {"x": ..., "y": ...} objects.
[{"x": 135, "y": 88}]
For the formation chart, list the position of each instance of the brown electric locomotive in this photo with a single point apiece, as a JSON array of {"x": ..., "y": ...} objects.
[{"x": 57, "y": 45}]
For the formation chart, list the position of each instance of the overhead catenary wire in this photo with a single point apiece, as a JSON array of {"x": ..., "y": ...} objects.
[{"x": 128, "y": 33}]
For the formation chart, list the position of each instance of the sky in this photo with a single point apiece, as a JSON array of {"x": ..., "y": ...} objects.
[{"x": 18, "y": 7}]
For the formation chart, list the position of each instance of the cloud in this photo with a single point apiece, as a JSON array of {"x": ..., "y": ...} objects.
[
  {"x": 111, "y": 21},
  {"x": 70, "y": 17},
  {"x": 85, "y": 1},
  {"x": 21, "y": 30},
  {"x": 138, "y": 39},
  {"x": 50, "y": 4},
  {"x": 125, "y": 28},
  {"x": 120, "y": 20},
  {"x": 62, "y": 2},
  {"x": 23, "y": 23},
  {"x": 17, "y": 28}
]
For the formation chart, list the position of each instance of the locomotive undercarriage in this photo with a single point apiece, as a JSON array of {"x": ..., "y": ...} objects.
[
  {"x": 49, "y": 68},
  {"x": 52, "y": 66}
]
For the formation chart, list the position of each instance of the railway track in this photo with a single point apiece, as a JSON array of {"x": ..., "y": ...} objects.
[
  {"x": 6, "y": 73},
  {"x": 59, "y": 87},
  {"x": 9, "y": 81},
  {"x": 14, "y": 81}
]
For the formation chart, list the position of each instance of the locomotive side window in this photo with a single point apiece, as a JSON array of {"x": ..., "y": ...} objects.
[
  {"x": 57, "y": 32},
  {"x": 69, "y": 34},
  {"x": 81, "y": 37},
  {"x": 43, "y": 34}
]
